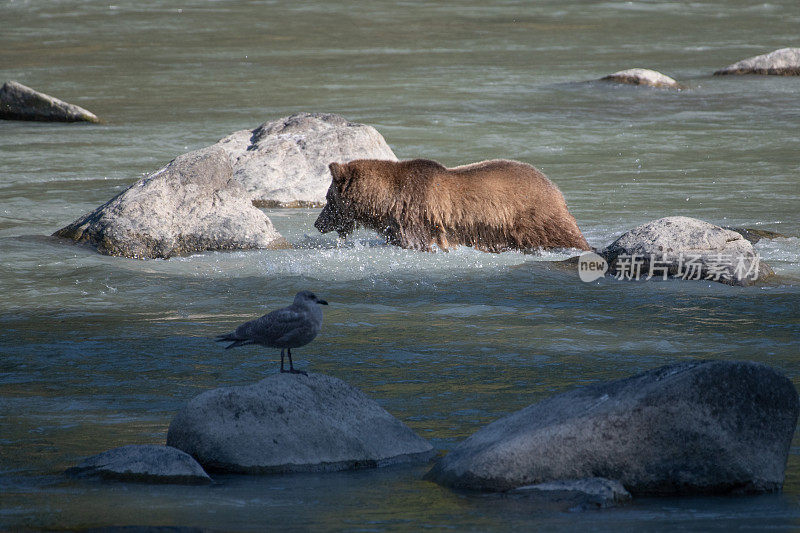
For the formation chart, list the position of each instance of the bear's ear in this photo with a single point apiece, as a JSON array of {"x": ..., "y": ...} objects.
[{"x": 337, "y": 171}]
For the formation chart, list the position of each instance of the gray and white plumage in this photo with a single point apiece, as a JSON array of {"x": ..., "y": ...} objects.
[{"x": 287, "y": 328}]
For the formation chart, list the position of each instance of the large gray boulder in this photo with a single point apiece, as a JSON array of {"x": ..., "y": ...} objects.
[
  {"x": 686, "y": 248},
  {"x": 19, "y": 102},
  {"x": 191, "y": 205},
  {"x": 284, "y": 163},
  {"x": 782, "y": 62},
  {"x": 292, "y": 423},
  {"x": 691, "y": 427},
  {"x": 145, "y": 462},
  {"x": 643, "y": 76}
]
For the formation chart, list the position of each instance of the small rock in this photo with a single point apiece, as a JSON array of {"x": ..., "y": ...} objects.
[
  {"x": 578, "y": 494},
  {"x": 783, "y": 62},
  {"x": 643, "y": 76},
  {"x": 755, "y": 234},
  {"x": 686, "y": 248},
  {"x": 191, "y": 205},
  {"x": 292, "y": 423},
  {"x": 19, "y": 102},
  {"x": 284, "y": 163},
  {"x": 146, "y": 463},
  {"x": 694, "y": 427}
]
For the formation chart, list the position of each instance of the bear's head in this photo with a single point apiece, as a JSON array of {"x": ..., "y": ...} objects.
[{"x": 338, "y": 214}]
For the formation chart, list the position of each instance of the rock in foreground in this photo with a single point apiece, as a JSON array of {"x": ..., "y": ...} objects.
[
  {"x": 783, "y": 62},
  {"x": 578, "y": 494},
  {"x": 146, "y": 463},
  {"x": 292, "y": 423},
  {"x": 685, "y": 248},
  {"x": 19, "y": 102},
  {"x": 643, "y": 76},
  {"x": 191, "y": 205},
  {"x": 284, "y": 163},
  {"x": 691, "y": 427}
]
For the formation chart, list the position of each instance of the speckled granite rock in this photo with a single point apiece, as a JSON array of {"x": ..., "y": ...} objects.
[
  {"x": 191, "y": 205},
  {"x": 687, "y": 248},
  {"x": 285, "y": 162}
]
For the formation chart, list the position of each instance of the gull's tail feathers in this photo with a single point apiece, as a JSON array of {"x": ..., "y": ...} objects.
[{"x": 236, "y": 342}]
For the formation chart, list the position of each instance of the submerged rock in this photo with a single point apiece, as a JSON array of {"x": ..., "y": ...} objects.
[
  {"x": 782, "y": 62},
  {"x": 578, "y": 494},
  {"x": 191, "y": 205},
  {"x": 755, "y": 234},
  {"x": 686, "y": 248},
  {"x": 284, "y": 163},
  {"x": 292, "y": 423},
  {"x": 147, "y": 463},
  {"x": 643, "y": 76},
  {"x": 692, "y": 427},
  {"x": 19, "y": 102}
]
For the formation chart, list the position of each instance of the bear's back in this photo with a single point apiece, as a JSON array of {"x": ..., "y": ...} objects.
[{"x": 502, "y": 174}]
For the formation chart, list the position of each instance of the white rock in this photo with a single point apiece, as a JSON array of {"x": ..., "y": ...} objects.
[
  {"x": 191, "y": 205},
  {"x": 782, "y": 62},
  {"x": 285, "y": 162},
  {"x": 643, "y": 76},
  {"x": 685, "y": 247}
]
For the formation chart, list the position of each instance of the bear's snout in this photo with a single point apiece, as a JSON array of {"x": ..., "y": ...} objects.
[{"x": 323, "y": 221}]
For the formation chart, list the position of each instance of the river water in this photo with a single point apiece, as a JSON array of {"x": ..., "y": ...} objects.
[{"x": 97, "y": 352}]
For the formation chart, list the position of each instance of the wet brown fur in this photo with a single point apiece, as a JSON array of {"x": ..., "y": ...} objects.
[{"x": 493, "y": 205}]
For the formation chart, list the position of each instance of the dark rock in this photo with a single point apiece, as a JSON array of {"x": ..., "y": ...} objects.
[
  {"x": 18, "y": 102},
  {"x": 689, "y": 428},
  {"x": 149, "y": 463},
  {"x": 578, "y": 494},
  {"x": 292, "y": 423},
  {"x": 191, "y": 205},
  {"x": 754, "y": 234}
]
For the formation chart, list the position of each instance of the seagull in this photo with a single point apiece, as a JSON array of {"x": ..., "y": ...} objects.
[{"x": 287, "y": 328}]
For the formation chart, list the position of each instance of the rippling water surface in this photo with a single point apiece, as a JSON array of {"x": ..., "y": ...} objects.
[{"x": 98, "y": 352}]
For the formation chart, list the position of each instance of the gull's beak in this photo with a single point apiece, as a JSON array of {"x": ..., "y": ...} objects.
[{"x": 322, "y": 302}]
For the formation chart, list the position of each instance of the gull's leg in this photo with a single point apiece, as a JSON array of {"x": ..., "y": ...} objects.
[
  {"x": 282, "y": 370},
  {"x": 291, "y": 366}
]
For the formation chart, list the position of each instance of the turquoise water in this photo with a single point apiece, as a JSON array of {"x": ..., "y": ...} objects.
[{"x": 98, "y": 352}]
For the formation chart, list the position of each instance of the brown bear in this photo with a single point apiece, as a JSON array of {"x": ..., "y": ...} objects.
[{"x": 493, "y": 206}]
